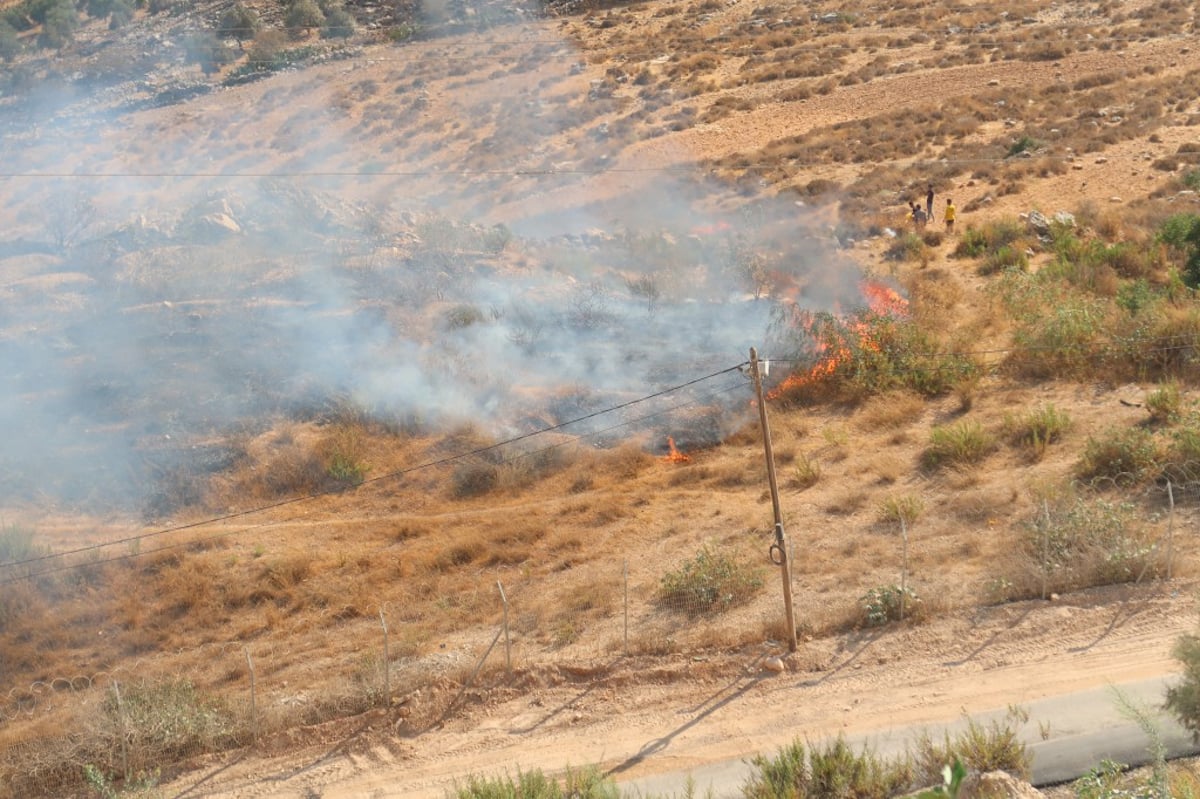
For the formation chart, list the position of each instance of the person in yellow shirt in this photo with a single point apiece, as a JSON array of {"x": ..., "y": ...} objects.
[{"x": 951, "y": 212}]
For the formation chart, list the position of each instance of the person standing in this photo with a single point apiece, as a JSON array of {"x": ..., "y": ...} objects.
[
  {"x": 929, "y": 202},
  {"x": 951, "y": 213}
]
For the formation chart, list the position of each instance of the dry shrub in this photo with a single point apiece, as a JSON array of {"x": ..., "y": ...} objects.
[
  {"x": 889, "y": 411},
  {"x": 933, "y": 292},
  {"x": 846, "y": 503},
  {"x": 735, "y": 475},
  {"x": 887, "y": 468},
  {"x": 625, "y": 461},
  {"x": 473, "y": 480},
  {"x": 982, "y": 505}
]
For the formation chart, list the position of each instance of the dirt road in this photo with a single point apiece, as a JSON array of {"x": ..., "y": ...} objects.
[{"x": 638, "y": 718}]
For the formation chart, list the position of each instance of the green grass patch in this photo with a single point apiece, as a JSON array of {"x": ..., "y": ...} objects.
[{"x": 963, "y": 443}]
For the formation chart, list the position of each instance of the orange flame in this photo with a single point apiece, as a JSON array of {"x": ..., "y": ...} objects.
[
  {"x": 674, "y": 455},
  {"x": 880, "y": 299}
]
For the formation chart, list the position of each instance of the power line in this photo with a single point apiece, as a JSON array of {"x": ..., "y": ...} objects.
[
  {"x": 271, "y": 523},
  {"x": 389, "y": 476}
]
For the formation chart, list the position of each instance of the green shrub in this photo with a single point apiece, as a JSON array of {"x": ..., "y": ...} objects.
[
  {"x": 831, "y": 772},
  {"x": 1059, "y": 332},
  {"x": 339, "y": 24},
  {"x": 1181, "y": 462},
  {"x": 866, "y": 353},
  {"x": 963, "y": 443},
  {"x": 712, "y": 581},
  {"x": 905, "y": 508},
  {"x": 238, "y": 22},
  {"x": 1039, "y": 428},
  {"x": 1164, "y": 402},
  {"x": 977, "y": 242},
  {"x": 1183, "y": 699},
  {"x": 907, "y": 247},
  {"x": 58, "y": 29},
  {"x": 1121, "y": 456},
  {"x": 1003, "y": 258},
  {"x": 1088, "y": 543},
  {"x": 1181, "y": 232},
  {"x": 1025, "y": 144},
  {"x": 302, "y": 16},
  {"x": 162, "y": 721},
  {"x": 806, "y": 472},
  {"x": 341, "y": 451},
  {"x": 981, "y": 748},
  {"x": 886, "y": 603}
]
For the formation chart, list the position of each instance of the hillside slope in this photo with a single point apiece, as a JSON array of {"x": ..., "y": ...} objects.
[{"x": 405, "y": 328}]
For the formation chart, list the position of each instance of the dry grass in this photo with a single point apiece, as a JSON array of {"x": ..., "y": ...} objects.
[{"x": 558, "y": 527}]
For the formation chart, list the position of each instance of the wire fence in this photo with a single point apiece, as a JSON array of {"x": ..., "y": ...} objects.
[{"x": 138, "y": 715}]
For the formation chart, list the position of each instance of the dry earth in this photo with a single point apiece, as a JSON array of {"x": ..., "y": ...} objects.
[
  {"x": 659, "y": 713},
  {"x": 680, "y": 713}
]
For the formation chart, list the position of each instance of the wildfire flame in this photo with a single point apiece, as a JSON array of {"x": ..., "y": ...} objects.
[
  {"x": 674, "y": 455},
  {"x": 881, "y": 300}
]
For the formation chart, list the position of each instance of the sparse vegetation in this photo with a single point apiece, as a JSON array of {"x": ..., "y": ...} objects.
[
  {"x": 963, "y": 443},
  {"x": 586, "y": 783},
  {"x": 825, "y": 772},
  {"x": 887, "y": 603},
  {"x": 1038, "y": 429},
  {"x": 995, "y": 746},
  {"x": 306, "y": 211},
  {"x": 711, "y": 581}
]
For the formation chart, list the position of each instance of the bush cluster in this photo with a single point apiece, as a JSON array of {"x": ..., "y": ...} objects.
[{"x": 711, "y": 581}]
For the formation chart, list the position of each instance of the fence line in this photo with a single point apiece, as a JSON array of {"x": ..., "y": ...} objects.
[{"x": 627, "y": 609}]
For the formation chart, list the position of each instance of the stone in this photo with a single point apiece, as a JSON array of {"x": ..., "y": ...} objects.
[
  {"x": 1038, "y": 223},
  {"x": 997, "y": 785},
  {"x": 773, "y": 665}
]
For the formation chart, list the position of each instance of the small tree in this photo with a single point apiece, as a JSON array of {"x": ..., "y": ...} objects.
[
  {"x": 1181, "y": 232},
  {"x": 302, "y": 16},
  {"x": 10, "y": 44},
  {"x": 339, "y": 24},
  {"x": 239, "y": 23},
  {"x": 58, "y": 29},
  {"x": 1184, "y": 699},
  {"x": 208, "y": 51}
]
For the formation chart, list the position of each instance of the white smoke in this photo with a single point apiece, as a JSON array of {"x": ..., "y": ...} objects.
[{"x": 162, "y": 294}]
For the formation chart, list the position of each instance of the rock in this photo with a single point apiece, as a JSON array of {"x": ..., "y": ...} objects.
[
  {"x": 773, "y": 665},
  {"x": 1101, "y": 160},
  {"x": 1064, "y": 218},
  {"x": 215, "y": 227},
  {"x": 993, "y": 82},
  {"x": 1114, "y": 199},
  {"x": 997, "y": 785},
  {"x": 1038, "y": 223}
]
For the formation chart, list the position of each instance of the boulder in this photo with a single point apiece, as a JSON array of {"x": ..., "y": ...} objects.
[{"x": 997, "y": 785}]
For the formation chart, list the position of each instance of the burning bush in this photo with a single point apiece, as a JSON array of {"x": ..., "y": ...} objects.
[{"x": 875, "y": 349}]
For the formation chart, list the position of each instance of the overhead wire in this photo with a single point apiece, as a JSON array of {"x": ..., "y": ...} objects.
[{"x": 135, "y": 539}]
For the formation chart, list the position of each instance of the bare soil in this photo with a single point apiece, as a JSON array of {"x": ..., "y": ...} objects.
[{"x": 640, "y": 716}]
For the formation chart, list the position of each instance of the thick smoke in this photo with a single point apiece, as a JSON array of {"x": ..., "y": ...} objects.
[{"x": 161, "y": 294}]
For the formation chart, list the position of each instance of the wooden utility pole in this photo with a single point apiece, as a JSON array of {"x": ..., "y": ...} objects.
[{"x": 779, "y": 550}]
